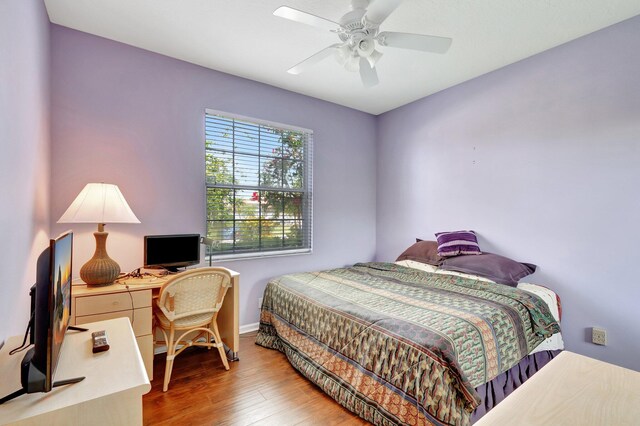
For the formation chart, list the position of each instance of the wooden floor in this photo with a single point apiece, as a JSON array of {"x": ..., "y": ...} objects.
[{"x": 260, "y": 389}]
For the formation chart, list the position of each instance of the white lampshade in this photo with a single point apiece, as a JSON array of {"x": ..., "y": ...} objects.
[{"x": 99, "y": 203}]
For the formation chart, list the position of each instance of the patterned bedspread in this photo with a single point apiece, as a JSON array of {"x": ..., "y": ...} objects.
[{"x": 398, "y": 345}]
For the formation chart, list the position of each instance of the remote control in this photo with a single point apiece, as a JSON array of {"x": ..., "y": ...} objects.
[{"x": 100, "y": 341}]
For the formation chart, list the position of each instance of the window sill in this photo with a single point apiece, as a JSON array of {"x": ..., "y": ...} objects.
[{"x": 258, "y": 255}]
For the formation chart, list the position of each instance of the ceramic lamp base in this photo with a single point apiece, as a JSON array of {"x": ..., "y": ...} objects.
[{"x": 100, "y": 270}]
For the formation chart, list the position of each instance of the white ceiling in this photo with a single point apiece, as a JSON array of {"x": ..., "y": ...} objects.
[{"x": 243, "y": 38}]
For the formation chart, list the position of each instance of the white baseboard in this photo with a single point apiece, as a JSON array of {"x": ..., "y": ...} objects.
[{"x": 247, "y": 328}]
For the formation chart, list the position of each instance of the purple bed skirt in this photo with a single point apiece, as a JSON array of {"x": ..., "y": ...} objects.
[{"x": 496, "y": 390}]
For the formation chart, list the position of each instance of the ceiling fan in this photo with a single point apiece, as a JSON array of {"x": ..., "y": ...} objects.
[{"x": 358, "y": 31}]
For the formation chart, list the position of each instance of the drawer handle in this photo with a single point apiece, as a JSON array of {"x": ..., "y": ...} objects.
[{"x": 116, "y": 303}]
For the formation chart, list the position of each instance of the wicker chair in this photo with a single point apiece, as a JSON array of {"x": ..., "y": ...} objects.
[{"x": 189, "y": 302}]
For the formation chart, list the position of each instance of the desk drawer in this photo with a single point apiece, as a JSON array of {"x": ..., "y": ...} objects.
[
  {"x": 141, "y": 319},
  {"x": 89, "y": 305}
]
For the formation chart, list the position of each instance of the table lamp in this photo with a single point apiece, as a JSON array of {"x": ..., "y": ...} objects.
[{"x": 99, "y": 203}]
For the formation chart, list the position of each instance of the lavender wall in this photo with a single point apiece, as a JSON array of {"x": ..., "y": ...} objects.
[
  {"x": 135, "y": 118},
  {"x": 24, "y": 155},
  {"x": 542, "y": 159}
]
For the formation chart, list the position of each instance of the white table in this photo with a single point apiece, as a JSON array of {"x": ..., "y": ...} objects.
[
  {"x": 572, "y": 390},
  {"x": 111, "y": 393}
]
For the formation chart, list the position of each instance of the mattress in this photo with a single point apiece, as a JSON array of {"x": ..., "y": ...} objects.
[
  {"x": 548, "y": 296},
  {"x": 398, "y": 345}
]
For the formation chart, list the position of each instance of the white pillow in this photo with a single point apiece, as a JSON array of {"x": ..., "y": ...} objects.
[
  {"x": 554, "y": 342},
  {"x": 417, "y": 265}
]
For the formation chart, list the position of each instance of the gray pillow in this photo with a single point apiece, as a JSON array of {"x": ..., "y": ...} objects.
[
  {"x": 492, "y": 266},
  {"x": 422, "y": 251}
]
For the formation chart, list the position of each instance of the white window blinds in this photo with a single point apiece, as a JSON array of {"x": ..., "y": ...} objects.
[{"x": 258, "y": 183}]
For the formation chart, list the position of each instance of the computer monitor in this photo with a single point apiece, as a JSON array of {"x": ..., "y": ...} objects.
[{"x": 171, "y": 251}]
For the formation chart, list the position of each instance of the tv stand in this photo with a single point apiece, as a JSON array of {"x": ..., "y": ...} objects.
[
  {"x": 33, "y": 380},
  {"x": 55, "y": 385},
  {"x": 111, "y": 393}
]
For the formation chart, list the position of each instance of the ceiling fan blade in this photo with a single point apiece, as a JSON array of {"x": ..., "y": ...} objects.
[
  {"x": 313, "y": 59},
  {"x": 379, "y": 10},
  {"x": 305, "y": 18},
  {"x": 374, "y": 57},
  {"x": 425, "y": 43},
  {"x": 368, "y": 74}
]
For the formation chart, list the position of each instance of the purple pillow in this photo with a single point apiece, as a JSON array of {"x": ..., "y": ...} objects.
[
  {"x": 457, "y": 242},
  {"x": 495, "y": 267}
]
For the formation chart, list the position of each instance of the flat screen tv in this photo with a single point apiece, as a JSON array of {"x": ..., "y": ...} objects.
[
  {"x": 171, "y": 251},
  {"x": 50, "y": 315}
]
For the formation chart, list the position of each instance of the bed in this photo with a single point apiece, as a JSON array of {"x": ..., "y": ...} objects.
[{"x": 398, "y": 343}]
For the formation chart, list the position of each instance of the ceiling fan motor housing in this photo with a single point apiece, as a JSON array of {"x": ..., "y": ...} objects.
[{"x": 358, "y": 37}]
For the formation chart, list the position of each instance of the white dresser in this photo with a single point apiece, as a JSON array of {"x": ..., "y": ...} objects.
[
  {"x": 572, "y": 390},
  {"x": 110, "y": 394}
]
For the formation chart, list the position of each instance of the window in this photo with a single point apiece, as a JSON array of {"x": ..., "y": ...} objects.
[{"x": 258, "y": 186}]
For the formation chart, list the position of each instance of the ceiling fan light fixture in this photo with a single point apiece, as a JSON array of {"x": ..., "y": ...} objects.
[
  {"x": 374, "y": 57},
  {"x": 342, "y": 54},
  {"x": 366, "y": 46},
  {"x": 353, "y": 64}
]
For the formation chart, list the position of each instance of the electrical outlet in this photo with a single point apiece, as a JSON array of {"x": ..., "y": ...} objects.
[
  {"x": 259, "y": 302},
  {"x": 599, "y": 336}
]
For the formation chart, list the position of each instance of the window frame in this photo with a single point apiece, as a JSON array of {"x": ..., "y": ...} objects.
[{"x": 307, "y": 190}]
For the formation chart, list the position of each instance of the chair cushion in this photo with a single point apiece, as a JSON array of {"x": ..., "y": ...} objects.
[{"x": 186, "y": 322}]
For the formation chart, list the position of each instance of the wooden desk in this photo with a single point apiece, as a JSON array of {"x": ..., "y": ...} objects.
[
  {"x": 111, "y": 393},
  {"x": 572, "y": 390},
  {"x": 133, "y": 299}
]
